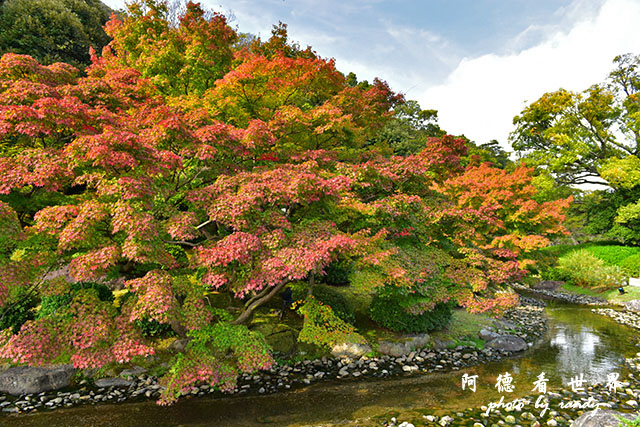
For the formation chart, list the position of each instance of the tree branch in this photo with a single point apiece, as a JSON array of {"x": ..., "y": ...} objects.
[
  {"x": 246, "y": 315},
  {"x": 180, "y": 242}
]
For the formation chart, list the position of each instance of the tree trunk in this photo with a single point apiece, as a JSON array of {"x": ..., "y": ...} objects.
[{"x": 248, "y": 312}]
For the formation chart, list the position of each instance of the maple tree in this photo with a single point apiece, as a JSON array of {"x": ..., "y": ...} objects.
[{"x": 241, "y": 177}]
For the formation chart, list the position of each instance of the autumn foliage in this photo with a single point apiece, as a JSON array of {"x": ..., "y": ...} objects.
[{"x": 186, "y": 164}]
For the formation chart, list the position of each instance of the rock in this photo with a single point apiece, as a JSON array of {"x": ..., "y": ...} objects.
[
  {"x": 440, "y": 345},
  {"x": 113, "y": 382},
  {"x": 133, "y": 372},
  {"x": 548, "y": 285},
  {"x": 487, "y": 335},
  {"x": 633, "y": 305},
  {"x": 510, "y": 419},
  {"x": 445, "y": 421},
  {"x": 600, "y": 418},
  {"x": 406, "y": 346},
  {"x": 406, "y": 424},
  {"x": 508, "y": 343},
  {"x": 504, "y": 324},
  {"x": 179, "y": 344},
  {"x": 351, "y": 350},
  {"x": 29, "y": 380}
]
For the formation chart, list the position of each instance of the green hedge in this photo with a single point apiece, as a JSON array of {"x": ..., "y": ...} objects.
[
  {"x": 328, "y": 296},
  {"x": 389, "y": 308}
]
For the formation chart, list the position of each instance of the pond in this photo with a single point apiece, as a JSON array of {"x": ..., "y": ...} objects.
[{"x": 578, "y": 342}]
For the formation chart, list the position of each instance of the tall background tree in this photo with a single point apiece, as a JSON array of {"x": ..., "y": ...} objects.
[
  {"x": 53, "y": 30},
  {"x": 591, "y": 137}
]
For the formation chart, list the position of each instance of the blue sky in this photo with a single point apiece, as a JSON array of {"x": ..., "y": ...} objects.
[{"x": 475, "y": 61}]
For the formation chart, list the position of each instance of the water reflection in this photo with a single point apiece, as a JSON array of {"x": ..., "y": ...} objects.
[{"x": 578, "y": 341}]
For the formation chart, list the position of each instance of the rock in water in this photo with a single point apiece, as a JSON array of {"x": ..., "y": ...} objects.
[
  {"x": 508, "y": 343},
  {"x": 30, "y": 379},
  {"x": 601, "y": 418}
]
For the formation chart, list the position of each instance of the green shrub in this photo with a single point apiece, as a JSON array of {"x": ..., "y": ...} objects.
[
  {"x": 340, "y": 305},
  {"x": 104, "y": 293},
  {"x": 17, "y": 310},
  {"x": 629, "y": 423},
  {"x": 631, "y": 265},
  {"x": 337, "y": 273},
  {"x": 390, "y": 308},
  {"x": 584, "y": 269},
  {"x": 555, "y": 273}
]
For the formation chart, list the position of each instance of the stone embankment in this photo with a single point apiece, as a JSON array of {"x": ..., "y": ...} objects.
[
  {"x": 558, "y": 295},
  {"x": 520, "y": 328},
  {"x": 629, "y": 318}
]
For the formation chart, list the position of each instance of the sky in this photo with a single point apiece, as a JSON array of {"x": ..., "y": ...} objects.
[{"x": 478, "y": 62}]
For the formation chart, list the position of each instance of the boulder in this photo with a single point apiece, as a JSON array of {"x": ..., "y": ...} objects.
[
  {"x": 508, "y": 343},
  {"x": 487, "y": 334},
  {"x": 29, "y": 379},
  {"x": 179, "y": 344},
  {"x": 350, "y": 349},
  {"x": 601, "y": 418},
  {"x": 441, "y": 345},
  {"x": 548, "y": 285},
  {"x": 408, "y": 344},
  {"x": 113, "y": 382},
  {"x": 504, "y": 324},
  {"x": 133, "y": 372},
  {"x": 633, "y": 305}
]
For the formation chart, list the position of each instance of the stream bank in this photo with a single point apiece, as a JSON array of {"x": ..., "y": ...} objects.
[
  {"x": 577, "y": 341},
  {"x": 525, "y": 326}
]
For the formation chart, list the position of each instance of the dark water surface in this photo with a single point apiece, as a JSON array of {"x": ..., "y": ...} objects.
[{"x": 578, "y": 342}]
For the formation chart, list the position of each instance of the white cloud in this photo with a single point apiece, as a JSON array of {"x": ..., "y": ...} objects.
[{"x": 482, "y": 95}]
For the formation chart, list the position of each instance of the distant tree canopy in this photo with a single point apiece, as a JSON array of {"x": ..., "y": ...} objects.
[
  {"x": 575, "y": 136},
  {"x": 591, "y": 137},
  {"x": 53, "y": 30}
]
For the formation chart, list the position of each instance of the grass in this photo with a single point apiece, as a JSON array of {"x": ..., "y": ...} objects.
[
  {"x": 463, "y": 328},
  {"x": 614, "y": 296},
  {"x": 609, "y": 294},
  {"x": 580, "y": 290}
]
